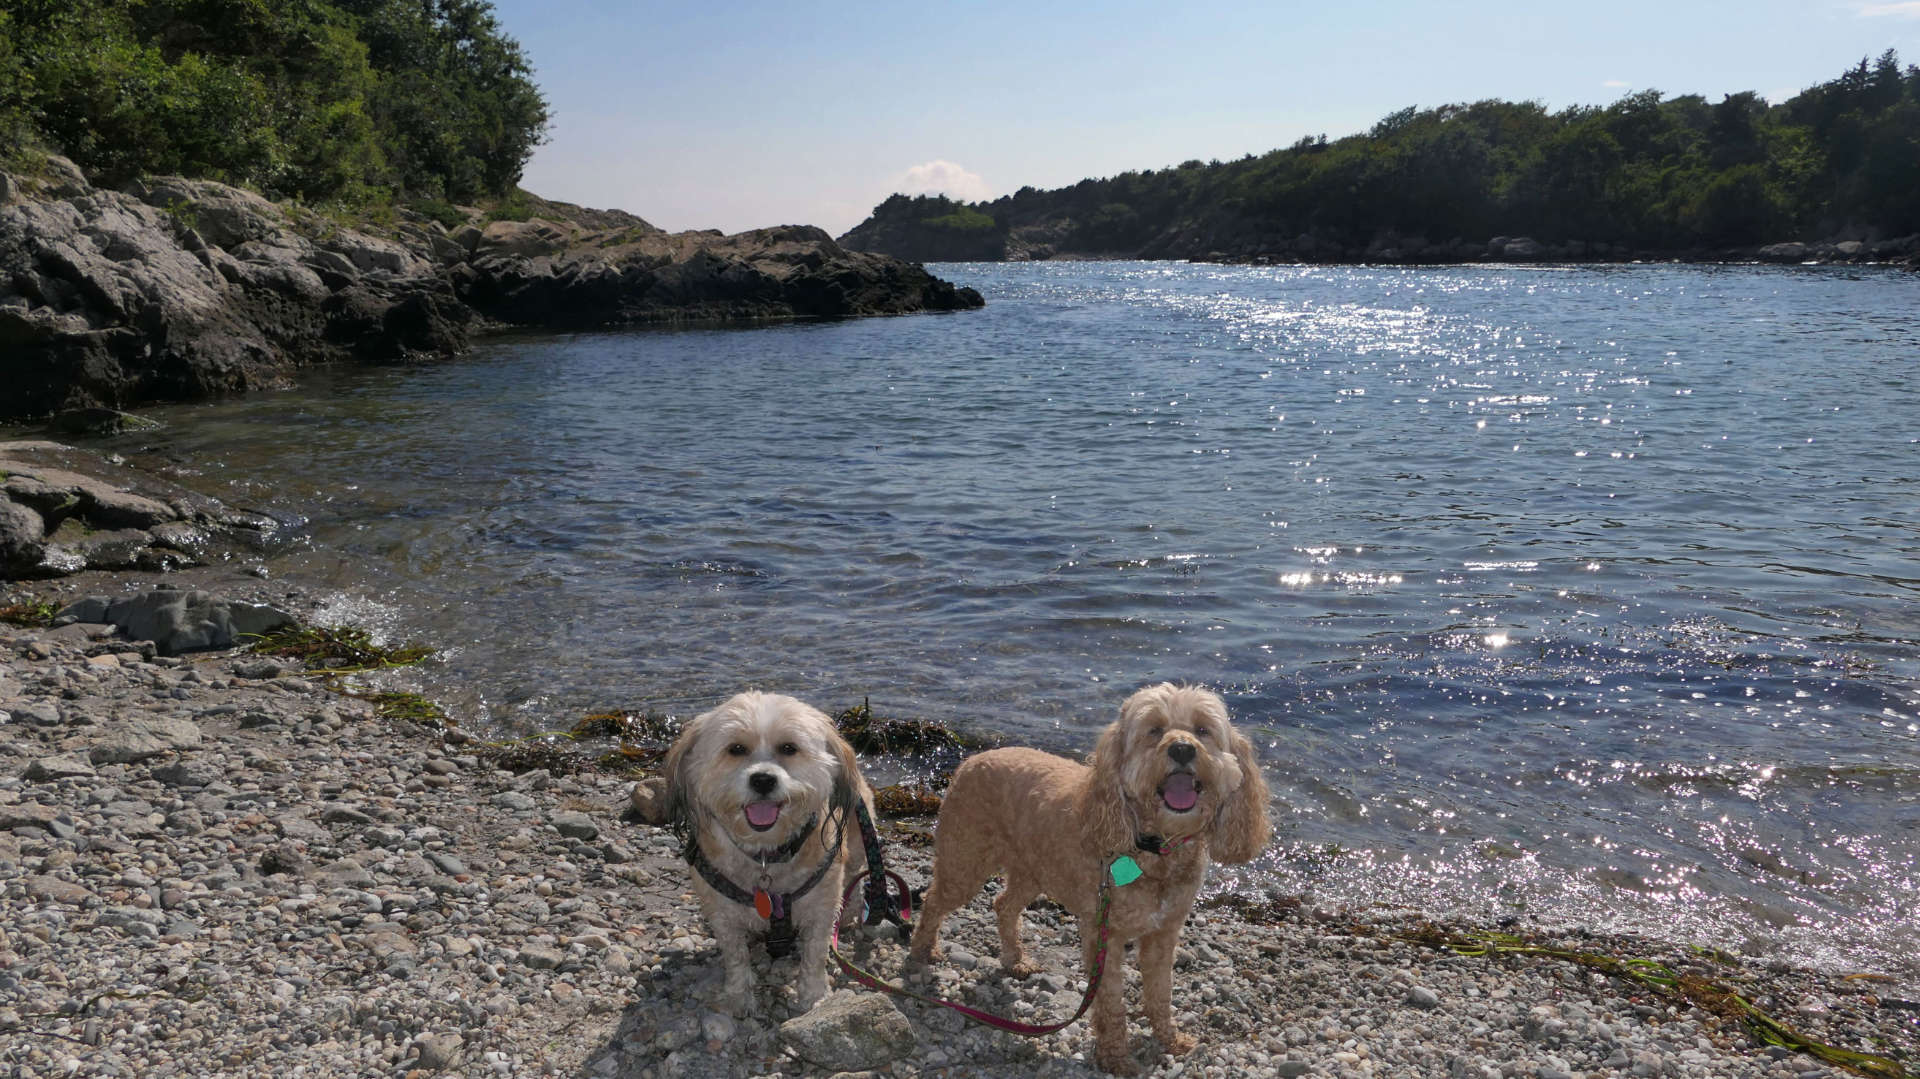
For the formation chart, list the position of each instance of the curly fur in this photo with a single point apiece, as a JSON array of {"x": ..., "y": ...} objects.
[
  {"x": 766, "y": 749},
  {"x": 1053, "y": 826}
]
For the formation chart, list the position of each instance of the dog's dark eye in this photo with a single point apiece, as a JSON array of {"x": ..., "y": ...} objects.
[
  {"x": 788, "y": 749},
  {"x": 738, "y": 749},
  {"x": 1202, "y": 732},
  {"x": 1155, "y": 732}
]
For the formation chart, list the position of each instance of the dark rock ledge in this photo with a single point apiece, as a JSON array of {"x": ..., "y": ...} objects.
[
  {"x": 179, "y": 289},
  {"x": 64, "y": 510}
]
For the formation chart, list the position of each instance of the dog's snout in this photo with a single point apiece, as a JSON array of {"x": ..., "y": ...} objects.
[
  {"x": 1181, "y": 752},
  {"x": 763, "y": 782}
]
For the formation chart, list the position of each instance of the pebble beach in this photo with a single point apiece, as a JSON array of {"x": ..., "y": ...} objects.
[
  {"x": 217, "y": 864},
  {"x": 213, "y": 865}
]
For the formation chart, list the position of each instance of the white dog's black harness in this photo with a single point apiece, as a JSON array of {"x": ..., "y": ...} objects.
[{"x": 775, "y": 907}]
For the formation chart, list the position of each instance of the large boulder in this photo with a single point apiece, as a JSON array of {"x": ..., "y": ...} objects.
[
  {"x": 22, "y": 539},
  {"x": 849, "y": 1032},
  {"x": 179, "y": 620}
]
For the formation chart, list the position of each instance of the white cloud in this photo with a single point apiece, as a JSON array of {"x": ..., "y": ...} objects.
[
  {"x": 943, "y": 178},
  {"x": 1904, "y": 9},
  {"x": 1616, "y": 84}
]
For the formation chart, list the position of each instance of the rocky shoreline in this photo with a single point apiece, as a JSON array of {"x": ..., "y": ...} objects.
[
  {"x": 176, "y": 289},
  {"x": 1249, "y": 243},
  {"x": 217, "y": 864}
]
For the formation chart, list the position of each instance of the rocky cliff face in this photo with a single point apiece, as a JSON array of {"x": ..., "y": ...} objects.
[{"x": 176, "y": 289}]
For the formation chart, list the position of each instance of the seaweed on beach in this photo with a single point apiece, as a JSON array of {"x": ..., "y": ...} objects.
[
  {"x": 1690, "y": 987},
  {"x": 651, "y": 727},
  {"x": 32, "y": 614},
  {"x": 1272, "y": 910},
  {"x": 337, "y": 650},
  {"x": 629, "y": 759},
  {"x": 906, "y": 800},
  {"x": 405, "y": 706},
  {"x": 557, "y": 755},
  {"x": 867, "y": 733}
]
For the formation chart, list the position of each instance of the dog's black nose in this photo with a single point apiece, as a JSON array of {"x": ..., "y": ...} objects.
[
  {"x": 1181, "y": 752},
  {"x": 762, "y": 782}
]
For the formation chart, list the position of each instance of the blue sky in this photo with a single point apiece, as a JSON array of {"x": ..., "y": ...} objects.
[{"x": 740, "y": 115}]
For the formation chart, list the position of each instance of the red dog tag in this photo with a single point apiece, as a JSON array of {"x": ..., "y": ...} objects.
[{"x": 762, "y": 903}]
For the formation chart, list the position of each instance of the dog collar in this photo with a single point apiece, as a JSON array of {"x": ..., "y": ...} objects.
[
  {"x": 775, "y": 907},
  {"x": 1153, "y": 844},
  {"x": 1123, "y": 870}
]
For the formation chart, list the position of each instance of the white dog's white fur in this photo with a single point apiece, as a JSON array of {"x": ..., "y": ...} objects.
[{"x": 762, "y": 755}]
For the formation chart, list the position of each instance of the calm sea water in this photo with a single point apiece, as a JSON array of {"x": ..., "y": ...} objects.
[{"x": 1581, "y": 595}]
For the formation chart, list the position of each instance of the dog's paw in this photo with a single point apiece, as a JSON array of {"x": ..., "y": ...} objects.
[
  {"x": 1116, "y": 1062},
  {"x": 1025, "y": 968},
  {"x": 1178, "y": 1043}
]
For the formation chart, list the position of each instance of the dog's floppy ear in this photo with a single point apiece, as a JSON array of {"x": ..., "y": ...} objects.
[
  {"x": 1103, "y": 804},
  {"x": 847, "y": 784},
  {"x": 678, "y": 769},
  {"x": 1240, "y": 830}
]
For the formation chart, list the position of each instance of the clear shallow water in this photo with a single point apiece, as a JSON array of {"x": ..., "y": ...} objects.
[{"x": 1584, "y": 595}]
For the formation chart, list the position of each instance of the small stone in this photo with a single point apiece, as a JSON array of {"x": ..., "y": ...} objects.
[
  {"x": 717, "y": 1027},
  {"x": 186, "y": 773},
  {"x": 344, "y": 813},
  {"x": 349, "y": 872},
  {"x": 64, "y": 766},
  {"x": 539, "y": 956},
  {"x": 576, "y": 826},
  {"x": 48, "y": 889},
  {"x": 27, "y": 815},
  {"x": 438, "y": 1052},
  {"x": 1421, "y": 997},
  {"x": 515, "y": 801},
  {"x": 446, "y": 863},
  {"x": 142, "y": 739}
]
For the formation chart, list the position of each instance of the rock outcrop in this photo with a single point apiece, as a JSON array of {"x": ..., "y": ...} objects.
[
  {"x": 178, "y": 289},
  {"x": 178, "y": 620},
  {"x": 63, "y": 510}
]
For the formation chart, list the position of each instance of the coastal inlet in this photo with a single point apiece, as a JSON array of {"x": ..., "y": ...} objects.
[{"x": 1576, "y": 594}]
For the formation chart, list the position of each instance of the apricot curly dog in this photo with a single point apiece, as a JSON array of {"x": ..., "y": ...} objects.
[{"x": 1170, "y": 787}]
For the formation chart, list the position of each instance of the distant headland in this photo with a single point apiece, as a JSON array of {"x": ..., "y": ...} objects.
[{"x": 1829, "y": 174}]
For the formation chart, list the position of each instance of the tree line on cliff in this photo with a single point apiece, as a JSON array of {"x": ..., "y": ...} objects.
[
  {"x": 1646, "y": 173},
  {"x": 351, "y": 102}
]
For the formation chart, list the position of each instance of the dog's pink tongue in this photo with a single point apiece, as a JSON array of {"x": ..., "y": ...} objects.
[
  {"x": 763, "y": 814},
  {"x": 1178, "y": 792}
]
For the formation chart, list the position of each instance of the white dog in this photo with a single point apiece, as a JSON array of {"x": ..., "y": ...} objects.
[{"x": 761, "y": 791}]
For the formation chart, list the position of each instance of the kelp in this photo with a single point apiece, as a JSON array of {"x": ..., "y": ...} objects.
[
  {"x": 336, "y": 650},
  {"x": 404, "y": 706},
  {"x": 867, "y": 733},
  {"x": 32, "y": 614},
  {"x": 556, "y": 754},
  {"x": 906, "y": 800},
  {"x": 649, "y": 726},
  {"x": 1699, "y": 991}
]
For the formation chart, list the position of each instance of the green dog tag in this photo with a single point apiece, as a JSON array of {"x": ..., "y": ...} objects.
[{"x": 1124, "y": 870}]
